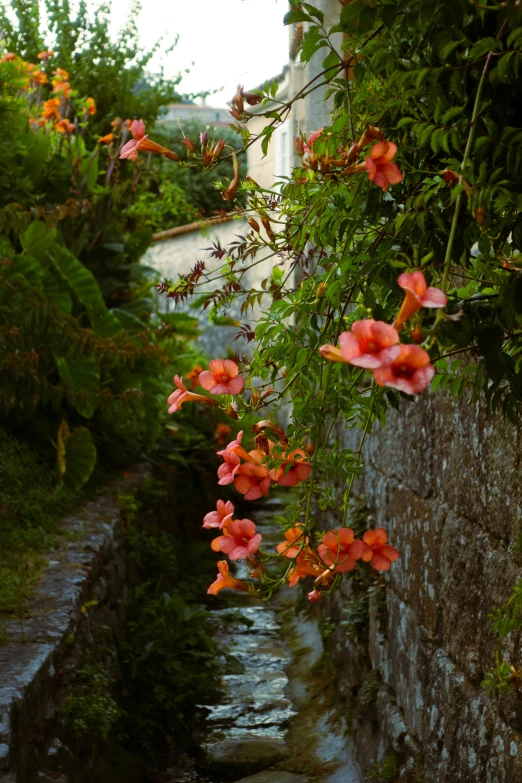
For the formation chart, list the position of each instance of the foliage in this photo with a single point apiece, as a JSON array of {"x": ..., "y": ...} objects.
[
  {"x": 437, "y": 86},
  {"x": 113, "y": 71},
  {"x": 170, "y": 657},
  {"x": 91, "y": 708},
  {"x": 388, "y": 770},
  {"x": 31, "y": 504},
  {"x": 504, "y": 677},
  {"x": 83, "y": 345}
]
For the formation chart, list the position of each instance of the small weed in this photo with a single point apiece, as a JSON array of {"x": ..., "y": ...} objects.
[
  {"x": 388, "y": 770},
  {"x": 91, "y": 708},
  {"x": 326, "y": 628}
]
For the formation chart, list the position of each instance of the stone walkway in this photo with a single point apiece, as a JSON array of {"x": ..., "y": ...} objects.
[{"x": 275, "y": 723}]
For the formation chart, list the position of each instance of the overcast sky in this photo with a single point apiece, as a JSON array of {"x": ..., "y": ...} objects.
[{"x": 229, "y": 41}]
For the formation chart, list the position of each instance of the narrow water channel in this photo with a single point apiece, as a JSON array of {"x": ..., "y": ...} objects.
[{"x": 277, "y": 721}]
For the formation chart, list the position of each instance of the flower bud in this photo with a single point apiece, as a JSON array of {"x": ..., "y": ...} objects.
[
  {"x": 310, "y": 449},
  {"x": 268, "y": 228},
  {"x": 218, "y": 149},
  {"x": 189, "y": 144},
  {"x": 321, "y": 290},
  {"x": 252, "y": 222},
  {"x": 416, "y": 335},
  {"x": 238, "y": 100},
  {"x": 267, "y": 392},
  {"x": 203, "y": 138},
  {"x": 231, "y": 411},
  {"x": 480, "y": 215},
  {"x": 299, "y": 146},
  {"x": 314, "y": 596},
  {"x": 331, "y": 353}
]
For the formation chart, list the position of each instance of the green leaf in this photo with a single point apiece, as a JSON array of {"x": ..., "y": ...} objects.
[
  {"x": 448, "y": 49},
  {"x": 451, "y": 114},
  {"x": 88, "y": 172},
  {"x": 37, "y": 240},
  {"x": 296, "y": 16},
  {"x": 404, "y": 121},
  {"x": 331, "y": 60},
  {"x": 56, "y": 291},
  {"x": 484, "y": 46},
  {"x": 85, "y": 287},
  {"x": 424, "y": 135},
  {"x": 80, "y": 458},
  {"x": 83, "y": 375},
  {"x": 26, "y": 268},
  {"x": 38, "y": 145},
  {"x": 514, "y": 36}
]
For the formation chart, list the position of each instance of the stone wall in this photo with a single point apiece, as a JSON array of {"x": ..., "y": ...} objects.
[
  {"x": 443, "y": 478},
  {"x": 83, "y": 594}
]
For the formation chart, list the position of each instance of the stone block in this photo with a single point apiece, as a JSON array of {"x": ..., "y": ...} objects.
[
  {"x": 247, "y": 755},
  {"x": 465, "y": 739},
  {"x": 477, "y": 575},
  {"x": 414, "y": 527},
  {"x": 478, "y": 459},
  {"x": 402, "y": 659},
  {"x": 274, "y": 776}
]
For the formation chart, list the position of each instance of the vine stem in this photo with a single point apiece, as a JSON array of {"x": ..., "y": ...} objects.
[
  {"x": 358, "y": 459},
  {"x": 467, "y": 152}
]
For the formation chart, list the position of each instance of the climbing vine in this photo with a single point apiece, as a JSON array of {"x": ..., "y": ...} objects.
[{"x": 394, "y": 248}]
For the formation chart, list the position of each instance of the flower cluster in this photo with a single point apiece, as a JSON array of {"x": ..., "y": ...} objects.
[
  {"x": 56, "y": 110},
  {"x": 254, "y": 472},
  {"x": 141, "y": 143},
  {"x": 374, "y": 345},
  {"x": 337, "y": 553},
  {"x": 378, "y": 164}
]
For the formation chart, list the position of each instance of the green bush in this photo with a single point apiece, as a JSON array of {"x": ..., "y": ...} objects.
[{"x": 170, "y": 656}]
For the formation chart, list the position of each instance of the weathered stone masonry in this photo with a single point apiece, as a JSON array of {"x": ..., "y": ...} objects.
[
  {"x": 444, "y": 479},
  {"x": 36, "y": 668}
]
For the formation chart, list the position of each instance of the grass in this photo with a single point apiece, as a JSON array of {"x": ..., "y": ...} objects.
[{"x": 31, "y": 504}]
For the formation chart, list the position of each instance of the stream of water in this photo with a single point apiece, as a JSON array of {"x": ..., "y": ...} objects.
[{"x": 277, "y": 721}]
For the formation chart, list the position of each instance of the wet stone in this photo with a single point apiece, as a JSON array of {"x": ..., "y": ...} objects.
[
  {"x": 274, "y": 776},
  {"x": 247, "y": 755}
]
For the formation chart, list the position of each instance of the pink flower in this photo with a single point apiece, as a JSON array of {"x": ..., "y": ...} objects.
[
  {"x": 225, "y": 579},
  {"x": 312, "y": 138},
  {"x": 380, "y": 170},
  {"x": 222, "y": 377},
  {"x": 239, "y": 541},
  {"x": 417, "y": 295},
  {"x": 377, "y": 552},
  {"x": 220, "y": 516},
  {"x": 370, "y": 344},
  {"x": 410, "y": 372},
  {"x": 252, "y": 480},
  {"x": 299, "y": 469},
  {"x": 340, "y": 550},
  {"x": 143, "y": 143},
  {"x": 181, "y": 395},
  {"x": 232, "y": 461}
]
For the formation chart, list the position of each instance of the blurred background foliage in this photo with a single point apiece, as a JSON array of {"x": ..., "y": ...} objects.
[{"x": 86, "y": 355}]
